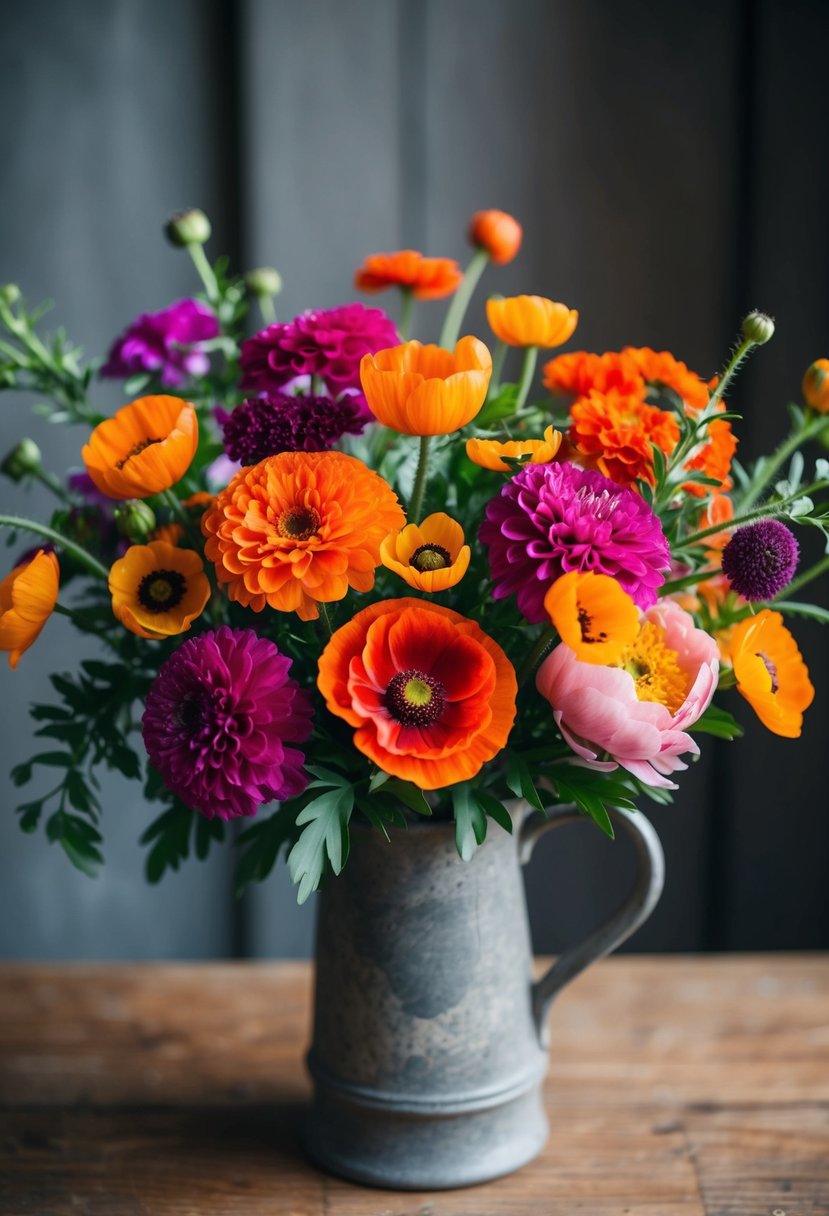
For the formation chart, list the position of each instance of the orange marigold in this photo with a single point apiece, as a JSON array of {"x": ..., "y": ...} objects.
[
  {"x": 425, "y": 278},
  {"x": 618, "y": 432},
  {"x": 299, "y": 529},
  {"x": 713, "y": 458},
  {"x": 576, "y": 373},
  {"x": 660, "y": 368}
]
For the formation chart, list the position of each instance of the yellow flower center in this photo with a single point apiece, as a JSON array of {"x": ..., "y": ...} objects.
[
  {"x": 298, "y": 523},
  {"x": 655, "y": 669},
  {"x": 161, "y": 590},
  {"x": 430, "y": 557}
]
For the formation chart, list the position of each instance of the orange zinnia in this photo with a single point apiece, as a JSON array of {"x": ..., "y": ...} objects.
[
  {"x": 660, "y": 368},
  {"x": 493, "y": 453},
  {"x": 299, "y": 529},
  {"x": 425, "y": 278},
  {"x": 816, "y": 386},
  {"x": 27, "y": 599},
  {"x": 430, "y": 556},
  {"x": 619, "y": 431},
  {"x": 426, "y": 390},
  {"x": 577, "y": 372},
  {"x": 496, "y": 232},
  {"x": 431, "y": 695},
  {"x": 713, "y": 458},
  {"x": 158, "y": 590},
  {"x": 145, "y": 448},
  {"x": 770, "y": 672},
  {"x": 593, "y": 615},
  {"x": 530, "y": 320}
]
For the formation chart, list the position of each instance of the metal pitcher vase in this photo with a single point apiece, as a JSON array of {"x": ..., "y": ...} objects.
[{"x": 429, "y": 1045}]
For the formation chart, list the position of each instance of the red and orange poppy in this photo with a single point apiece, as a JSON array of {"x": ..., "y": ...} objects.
[
  {"x": 498, "y": 233},
  {"x": 530, "y": 320},
  {"x": 426, "y": 390},
  {"x": 425, "y": 278},
  {"x": 144, "y": 449},
  {"x": 770, "y": 672},
  {"x": 27, "y": 599}
]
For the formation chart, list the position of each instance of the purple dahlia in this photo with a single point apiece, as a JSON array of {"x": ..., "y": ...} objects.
[
  {"x": 553, "y": 518},
  {"x": 217, "y": 720},
  {"x": 760, "y": 559},
  {"x": 279, "y": 422},
  {"x": 166, "y": 343}
]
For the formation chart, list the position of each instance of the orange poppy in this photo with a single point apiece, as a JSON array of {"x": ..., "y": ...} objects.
[
  {"x": 713, "y": 458},
  {"x": 431, "y": 695},
  {"x": 530, "y": 320},
  {"x": 426, "y": 390},
  {"x": 498, "y": 233},
  {"x": 770, "y": 672},
  {"x": 618, "y": 432},
  {"x": 430, "y": 556},
  {"x": 577, "y": 372},
  {"x": 145, "y": 448},
  {"x": 661, "y": 369},
  {"x": 158, "y": 590},
  {"x": 27, "y": 599},
  {"x": 593, "y": 615},
  {"x": 816, "y": 386},
  {"x": 491, "y": 453},
  {"x": 425, "y": 278},
  {"x": 298, "y": 529}
]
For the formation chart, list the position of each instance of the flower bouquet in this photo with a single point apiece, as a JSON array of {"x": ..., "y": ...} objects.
[{"x": 377, "y": 582}]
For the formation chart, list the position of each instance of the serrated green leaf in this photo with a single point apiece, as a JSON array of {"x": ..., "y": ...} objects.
[
  {"x": 324, "y": 839},
  {"x": 327, "y": 776}
]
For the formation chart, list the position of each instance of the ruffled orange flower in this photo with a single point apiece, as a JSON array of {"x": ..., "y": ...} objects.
[
  {"x": 430, "y": 556},
  {"x": 593, "y": 615},
  {"x": 770, "y": 672},
  {"x": 713, "y": 458},
  {"x": 432, "y": 697},
  {"x": 498, "y": 233},
  {"x": 618, "y": 433},
  {"x": 530, "y": 320},
  {"x": 145, "y": 448},
  {"x": 27, "y": 599},
  {"x": 491, "y": 453},
  {"x": 425, "y": 278},
  {"x": 816, "y": 386},
  {"x": 661, "y": 369},
  {"x": 157, "y": 589},
  {"x": 426, "y": 390},
  {"x": 299, "y": 529},
  {"x": 577, "y": 372}
]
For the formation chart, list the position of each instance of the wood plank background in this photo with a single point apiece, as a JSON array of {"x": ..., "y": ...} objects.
[{"x": 669, "y": 163}]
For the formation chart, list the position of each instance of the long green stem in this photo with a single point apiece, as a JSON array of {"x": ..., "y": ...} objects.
[
  {"x": 541, "y": 645},
  {"x": 460, "y": 301},
  {"x": 419, "y": 488},
  {"x": 404, "y": 325},
  {"x": 30, "y": 525},
  {"x": 786, "y": 449},
  {"x": 770, "y": 510},
  {"x": 527, "y": 373},
  {"x": 52, "y": 483},
  {"x": 205, "y": 271},
  {"x": 688, "y": 580},
  {"x": 498, "y": 357},
  {"x": 742, "y": 352},
  {"x": 267, "y": 309},
  {"x": 325, "y": 616}
]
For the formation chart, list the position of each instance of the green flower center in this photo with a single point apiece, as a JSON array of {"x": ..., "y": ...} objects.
[{"x": 430, "y": 557}]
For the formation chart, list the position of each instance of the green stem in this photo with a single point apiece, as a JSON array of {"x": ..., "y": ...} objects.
[
  {"x": 404, "y": 325},
  {"x": 324, "y": 615},
  {"x": 205, "y": 271},
  {"x": 29, "y": 525},
  {"x": 460, "y": 301},
  {"x": 527, "y": 373},
  {"x": 807, "y": 576},
  {"x": 769, "y": 511},
  {"x": 786, "y": 449},
  {"x": 498, "y": 357},
  {"x": 52, "y": 483},
  {"x": 731, "y": 368},
  {"x": 179, "y": 513},
  {"x": 267, "y": 309},
  {"x": 532, "y": 659},
  {"x": 419, "y": 489},
  {"x": 688, "y": 580}
]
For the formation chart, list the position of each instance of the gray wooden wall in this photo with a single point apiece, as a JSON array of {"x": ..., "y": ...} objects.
[{"x": 669, "y": 163}]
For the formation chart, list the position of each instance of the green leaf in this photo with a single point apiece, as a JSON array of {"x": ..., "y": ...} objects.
[
  {"x": 719, "y": 722},
  {"x": 521, "y": 783},
  {"x": 207, "y": 830},
  {"x": 495, "y": 809},
  {"x": 794, "y": 608},
  {"x": 125, "y": 760},
  {"x": 378, "y": 778},
  {"x": 501, "y": 405},
  {"x": 263, "y": 841},
  {"x": 327, "y": 777},
  {"x": 470, "y": 820},
  {"x": 30, "y": 813},
  {"x": 381, "y": 811},
  {"x": 79, "y": 794},
  {"x": 171, "y": 833},
  {"x": 324, "y": 840},
  {"x": 407, "y": 793}
]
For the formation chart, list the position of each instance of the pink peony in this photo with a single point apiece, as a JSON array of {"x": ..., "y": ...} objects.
[{"x": 598, "y": 712}]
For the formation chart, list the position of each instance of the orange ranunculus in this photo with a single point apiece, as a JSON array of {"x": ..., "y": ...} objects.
[
  {"x": 27, "y": 599},
  {"x": 660, "y": 368},
  {"x": 498, "y": 233},
  {"x": 593, "y": 615},
  {"x": 158, "y": 590},
  {"x": 816, "y": 386},
  {"x": 713, "y": 458},
  {"x": 770, "y": 672},
  {"x": 530, "y": 320},
  {"x": 146, "y": 447},
  {"x": 577, "y": 372},
  {"x": 426, "y": 390},
  {"x": 430, "y": 556},
  {"x": 431, "y": 695},
  {"x": 490, "y": 453},
  {"x": 425, "y": 278},
  {"x": 618, "y": 432},
  {"x": 298, "y": 529}
]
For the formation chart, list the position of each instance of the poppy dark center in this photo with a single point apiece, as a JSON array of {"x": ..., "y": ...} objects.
[
  {"x": 161, "y": 590},
  {"x": 136, "y": 451},
  {"x": 298, "y": 523},
  {"x": 430, "y": 557},
  {"x": 771, "y": 669},
  {"x": 586, "y": 627},
  {"x": 414, "y": 698}
]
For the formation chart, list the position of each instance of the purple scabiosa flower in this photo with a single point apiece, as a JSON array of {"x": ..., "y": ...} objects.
[
  {"x": 217, "y": 720},
  {"x": 166, "y": 343},
  {"x": 328, "y": 343},
  {"x": 760, "y": 559},
  {"x": 553, "y": 518},
  {"x": 279, "y": 422}
]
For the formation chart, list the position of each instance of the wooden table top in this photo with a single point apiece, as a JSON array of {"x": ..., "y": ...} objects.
[{"x": 677, "y": 1085}]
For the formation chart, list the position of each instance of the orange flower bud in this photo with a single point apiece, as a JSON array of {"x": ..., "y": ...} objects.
[
  {"x": 498, "y": 233},
  {"x": 816, "y": 386}
]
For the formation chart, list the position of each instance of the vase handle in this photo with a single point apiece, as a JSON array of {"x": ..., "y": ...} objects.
[{"x": 625, "y": 920}]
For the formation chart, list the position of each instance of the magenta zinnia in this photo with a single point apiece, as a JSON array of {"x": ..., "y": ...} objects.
[
  {"x": 167, "y": 344},
  {"x": 218, "y": 717},
  {"x": 553, "y": 518}
]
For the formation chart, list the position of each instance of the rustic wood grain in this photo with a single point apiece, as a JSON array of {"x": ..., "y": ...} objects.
[{"x": 678, "y": 1087}]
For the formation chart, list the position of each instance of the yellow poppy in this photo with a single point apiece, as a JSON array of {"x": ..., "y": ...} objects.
[
  {"x": 430, "y": 556},
  {"x": 426, "y": 390},
  {"x": 490, "y": 453},
  {"x": 157, "y": 589},
  {"x": 593, "y": 616},
  {"x": 145, "y": 448}
]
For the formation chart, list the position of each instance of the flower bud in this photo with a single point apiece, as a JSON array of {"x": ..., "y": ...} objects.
[
  {"x": 816, "y": 386},
  {"x": 9, "y": 293},
  {"x": 496, "y": 232},
  {"x": 135, "y": 520},
  {"x": 264, "y": 282},
  {"x": 758, "y": 328},
  {"x": 190, "y": 227},
  {"x": 22, "y": 461}
]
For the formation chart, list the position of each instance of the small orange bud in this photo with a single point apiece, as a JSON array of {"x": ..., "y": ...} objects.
[
  {"x": 816, "y": 386},
  {"x": 498, "y": 233}
]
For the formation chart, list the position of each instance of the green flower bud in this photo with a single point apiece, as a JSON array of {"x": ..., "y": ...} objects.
[
  {"x": 9, "y": 293},
  {"x": 758, "y": 328},
  {"x": 264, "y": 282},
  {"x": 22, "y": 461},
  {"x": 135, "y": 520},
  {"x": 190, "y": 227}
]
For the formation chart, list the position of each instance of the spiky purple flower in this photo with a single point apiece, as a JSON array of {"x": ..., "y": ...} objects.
[
  {"x": 165, "y": 343},
  {"x": 264, "y": 426},
  {"x": 760, "y": 559},
  {"x": 217, "y": 720},
  {"x": 553, "y": 518}
]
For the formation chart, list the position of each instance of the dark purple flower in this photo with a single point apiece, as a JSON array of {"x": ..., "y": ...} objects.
[
  {"x": 217, "y": 720},
  {"x": 166, "y": 343},
  {"x": 81, "y": 484},
  {"x": 760, "y": 559},
  {"x": 328, "y": 343},
  {"x": 553, "y": 518},
  {"x": 264, "y": 426}
]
